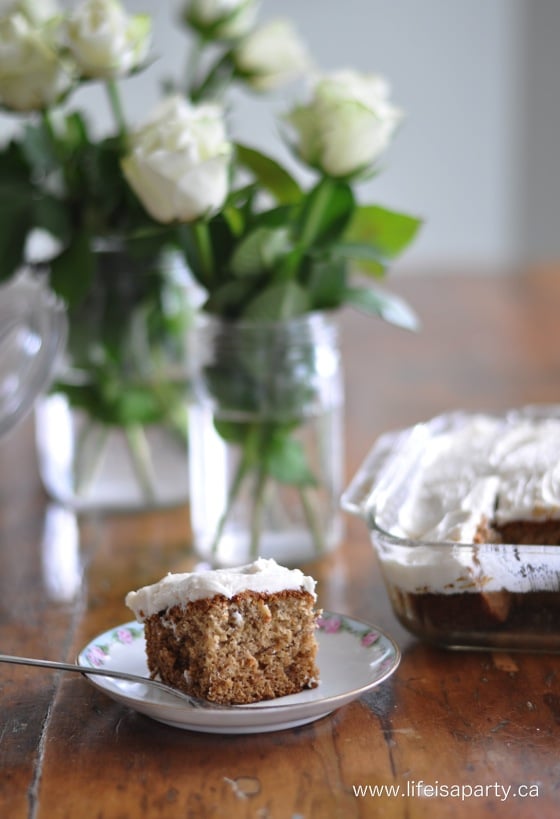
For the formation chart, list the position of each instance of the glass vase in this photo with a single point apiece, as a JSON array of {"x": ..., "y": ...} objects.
[
  {"x": 266, "y": 454},
  {"x": 112, "y": 432}
]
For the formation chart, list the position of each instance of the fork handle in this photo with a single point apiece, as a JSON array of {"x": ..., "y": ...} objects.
[
  {"x": 194, "y": 702},
  {"x": 104, "y": 672},
  {"x": 101, "y": 672}
]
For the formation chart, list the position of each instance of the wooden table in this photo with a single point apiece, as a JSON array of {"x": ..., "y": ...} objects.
[{"x": 480, "y": 720}]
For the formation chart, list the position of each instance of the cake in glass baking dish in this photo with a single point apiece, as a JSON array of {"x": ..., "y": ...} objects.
[
  {"x": 464, "y": 513},
  {"x": 231, "y": 636}
]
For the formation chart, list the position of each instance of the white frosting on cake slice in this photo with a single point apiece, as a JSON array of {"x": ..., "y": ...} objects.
[{"x": 262, "y": 575}]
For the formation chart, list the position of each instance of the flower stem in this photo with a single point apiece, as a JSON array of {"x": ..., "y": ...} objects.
[
  {"x": 117, "y": 109},
  {"x": 319, "y": 201},
  {"x": 141, "y": 459},
  {"x": 235, "y": 487},
  {"x": 215, "y": 82},
  {"x": 257, "y": 513},
  {"x": 88, "y": 458},
  {"x": 57, "y": 145},
  {"x": 191, "y": 72},
  {"x": 205, "y": 251},
  {"x": 50, "y": 129},
  {"x": 312, "y": 522}
]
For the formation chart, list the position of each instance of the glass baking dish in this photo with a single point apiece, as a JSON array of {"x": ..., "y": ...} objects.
[{"x": 448, "y": 592}]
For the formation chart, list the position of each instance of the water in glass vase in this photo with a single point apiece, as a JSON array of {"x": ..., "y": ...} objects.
[
  {"x": 240, "y": 511},
  {"x": 112, "y": 431},
  {"x": 91, "y": 466}
]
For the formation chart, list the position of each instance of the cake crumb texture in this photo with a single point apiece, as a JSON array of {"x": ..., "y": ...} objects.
[{"x": 250, "y": 647}]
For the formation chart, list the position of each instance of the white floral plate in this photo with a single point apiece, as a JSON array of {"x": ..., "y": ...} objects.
[{"x": 353, "y": 658}]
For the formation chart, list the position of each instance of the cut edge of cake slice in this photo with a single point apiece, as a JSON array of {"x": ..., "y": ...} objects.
[{"x": 232, "y": 636}]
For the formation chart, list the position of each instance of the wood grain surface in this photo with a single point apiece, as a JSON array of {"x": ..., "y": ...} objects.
[{"x": 481, "y": 721}]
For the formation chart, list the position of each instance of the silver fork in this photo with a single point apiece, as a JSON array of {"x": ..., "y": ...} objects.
[{"x": 194, "y": 702}]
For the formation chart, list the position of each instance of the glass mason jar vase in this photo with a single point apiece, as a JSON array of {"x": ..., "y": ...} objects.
[
  {"x": 266, "y": 439},
  {"x": 112, "y": 432}
]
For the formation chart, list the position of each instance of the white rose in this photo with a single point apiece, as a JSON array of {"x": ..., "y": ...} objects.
[
  {"x": 271, "y": 55},
  {"x": 32, "y": 74},
  {"x": 36, "y": 11},
  {"x": 222, "y": 19},
  {"x": 105, "y": 41},
  {"x": 347, "y": 124},
  {"x": 178, "y": 164}
]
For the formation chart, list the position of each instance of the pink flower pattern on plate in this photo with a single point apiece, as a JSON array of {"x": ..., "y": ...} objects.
[
  {"x": 333, "y": 624},
  {"x": 96, "y": 656}
]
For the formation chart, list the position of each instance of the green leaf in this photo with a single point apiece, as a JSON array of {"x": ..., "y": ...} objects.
[
  {"x": 109, "y": 404},
  {"x": 272, "y": 176},
  {"x": 98, "y": 169},
  {"x": 217, "y": 78},
  {"x": 76, "y": 131},
  {"x": 326, "y": 281},
  {"x": 286, "y": 462},
  {"x": 16, "y": 221},
  {"x": 214, "y": 239},
  {"x": 39, "y": 150},
  {"x": 14, "y": 167},
  {"x": 12, "y": 246},
  {"x": 275, "y": 217},
  {"x": 386, "y": 305},
  {"x": 72, "y": 270},
  {"x": 136, "y": 405},
  {"x": 233, "y": 432},
  {"x": 358, "y": 251},
  {"x": 242, "y": 200},
  {"x": 51, "y": 214},
  {"x": 277, "y": 302},
  {"x": 234, "y": 219},
  {"x": 223, "y": 241},
  {"x": 326, "y": 212},
  {"x": 387, "y": 232},
  {"x": 259, "y": 251},
  {"x": 228, "y": 299}
]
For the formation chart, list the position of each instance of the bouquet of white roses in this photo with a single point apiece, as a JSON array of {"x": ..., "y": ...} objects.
[
  {"x": 181, "y": 164},
  {"x": 261, "y": 246}
]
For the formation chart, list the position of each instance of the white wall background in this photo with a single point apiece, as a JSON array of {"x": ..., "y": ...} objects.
[
  {"x": 451, "y": 64},
  {"x": 538, "y": 203},
  {"x": 479, "y": 153}
]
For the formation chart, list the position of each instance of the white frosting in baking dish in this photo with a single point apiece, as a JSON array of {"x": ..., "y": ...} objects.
[
  {"x": 498, "y": 469},
  {"x": 262, "y": 575},
  {"x": 488, "y": 468}
]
